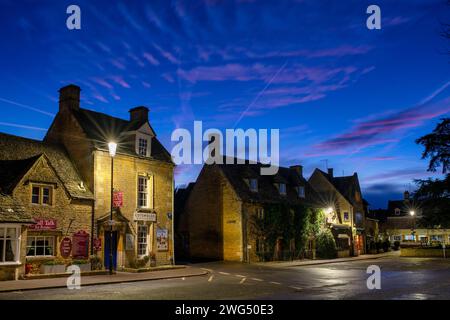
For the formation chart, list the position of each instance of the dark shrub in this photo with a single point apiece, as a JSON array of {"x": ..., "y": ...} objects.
[
  {"x": 326, "y": 246},
  {"x": 396, "y": 245},
  {"x": 379, "y": 246},
  {"x": 386, "y": 245}
]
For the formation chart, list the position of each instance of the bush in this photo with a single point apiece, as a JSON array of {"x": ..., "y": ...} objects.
[
  {"x": 54, "y": 262},
  {"x": 396, "y": 245},
  {"x": 326, "y": 245},
  {"x": 379, "y": 246},
  {"x": 386, "y": 245},
  {"x": 137, "y": 263},
  {"x": 96, "y": 262}
]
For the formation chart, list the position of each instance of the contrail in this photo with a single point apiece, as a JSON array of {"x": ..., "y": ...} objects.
[
  {"x": 260, "y": 93},
  {"x": 27, "y": 107},
  {"x": 21, "y": 126}
]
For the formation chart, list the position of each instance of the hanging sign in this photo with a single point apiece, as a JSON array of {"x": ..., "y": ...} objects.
[
  {"x": 80, "y": 246},
  {"x": 65, "y": 247},
  {"x": 118, "y": 199},
  {"x": 97, "y": 244}
]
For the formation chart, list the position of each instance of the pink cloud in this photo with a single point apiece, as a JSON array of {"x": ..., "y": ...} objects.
[
  {"x": 146, "y": 84},
  {"x": 102, "y": 82},
  {"x": 166, "y": 54},
  {"x": 120, "y": 81},
  {"x": 150, "y": 58}
]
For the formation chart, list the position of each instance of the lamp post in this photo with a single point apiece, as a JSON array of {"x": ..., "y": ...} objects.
[
  {"x": 413, "y": 214},
  {"x": 112, "y": 146}
]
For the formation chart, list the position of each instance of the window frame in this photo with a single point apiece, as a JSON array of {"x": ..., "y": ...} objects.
[
  {"x": 348, "y": 216},
  {"x": 301, "y": 194},
  {"x": 284, "y": 191},
  {"x": 44, "y": 246},
  {"x": 139, "y": 192},
  {"x": 139, "y": 238},
  {"x": 41, "y": 188},
  {"x": 139, "y": 146},
  {"x": 17, "y": 239}
]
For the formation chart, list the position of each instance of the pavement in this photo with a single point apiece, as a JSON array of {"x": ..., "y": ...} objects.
[
  {"x": 119, "y": 277},
  {"x": 307, "y": 262}
]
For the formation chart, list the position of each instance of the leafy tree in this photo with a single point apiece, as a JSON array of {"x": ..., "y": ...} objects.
[
  {"x": 437, "y": 146},
  {"x": 326, "y": 245}
]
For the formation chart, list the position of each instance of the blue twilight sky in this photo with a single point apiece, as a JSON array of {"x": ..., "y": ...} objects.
[{"x": 336, "y": 90}]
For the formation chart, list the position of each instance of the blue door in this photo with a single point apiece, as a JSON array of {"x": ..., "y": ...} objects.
[{"x": 114, "y": 249}]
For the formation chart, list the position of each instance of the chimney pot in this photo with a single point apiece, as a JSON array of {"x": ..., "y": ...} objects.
[
  {"x": 297, "y": 168},
  {"x": 330, "y": 172},
  {"x": 69, "y": 97},
  {"x": 139, "y": 114}
]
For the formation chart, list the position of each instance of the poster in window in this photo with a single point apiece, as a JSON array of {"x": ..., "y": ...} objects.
[
  {"x": 161, "y": 239},
  {"x": 129, "y": 242}
]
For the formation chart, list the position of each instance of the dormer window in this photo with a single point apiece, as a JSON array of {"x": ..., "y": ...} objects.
[
  {"x": 143, "y": 147},
  {"x": 282, "y": 188},
  {"x": 301, "y": 191},
  {"x": 397, "y": 211},
  {"x": 253, "y": 184}
]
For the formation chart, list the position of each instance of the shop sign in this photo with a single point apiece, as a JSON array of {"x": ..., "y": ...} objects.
[
  {"x": 80, "y": 246},
  {"x": 97, "y": 244},
  {"x": 43, "y": 224},
  {"x": 118, "y": 199},
  {"x": 145, "y": 216},
  {"x": 161, "y": 239},
  {"x": 65, "y": 247}
]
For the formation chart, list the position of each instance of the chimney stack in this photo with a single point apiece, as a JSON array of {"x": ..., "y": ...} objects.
[
  {"x": 69, "y": 97},
  {"x": 330, "y": 172},
  {"x": 298, "y": 168},
  {"x": 406, "y": 195},
  {"x": 139, "y": 114}
]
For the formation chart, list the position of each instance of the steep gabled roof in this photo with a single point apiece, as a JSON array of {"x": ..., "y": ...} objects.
[
  {"x": 239, "y": 174},
  {"x": 11, "y": 171},
  {"x": 100, "y": 128},
  {"x": 14, "y": 148}
]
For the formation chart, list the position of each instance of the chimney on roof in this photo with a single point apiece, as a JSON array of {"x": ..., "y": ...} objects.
[
  {"x": 69, "y": 97},
  {"x": 297, "y": 168},
  {"x": 139, "y": 114},
  {"x": 330, "y": 172},
  {"x": 406, "y": 195}
]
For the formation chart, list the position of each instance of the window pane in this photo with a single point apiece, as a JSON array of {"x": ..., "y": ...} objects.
[
  {"x": 2, "y": 246},
  {"x": 11, "y": 233},
  {"x": 35, "y": 195},
  {"x": 2, "y": 232},
  {"x": 46, "y": 195},
  {"x": 11, "y": 248}
]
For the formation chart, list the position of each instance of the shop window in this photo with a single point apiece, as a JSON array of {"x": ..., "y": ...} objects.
[
  {"x": 40, "y": 246},
  {"x": 9, "y": 244},
  {"x": 410, "y": 237},
  {"x": 437, "y": 237},
  {"x": 397, "y": 238},
  {"x": 41, "y": 195},
  {"x": 142, "y": 240},
  {"x": 142, "y": 150}
]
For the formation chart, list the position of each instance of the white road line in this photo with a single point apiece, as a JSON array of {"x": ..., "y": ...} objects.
[
  {"x": 210, "y": 278},
  {"x": 224, "y": 273},
  {"x": 243, "y": 280},
  {"x": 209, "y": 270},
  {"x": 274, "y": 282},
  {"x": 296, "y": 288},
  {"x": 240, "y": 276},
  {"x": 256, "y": 279}
]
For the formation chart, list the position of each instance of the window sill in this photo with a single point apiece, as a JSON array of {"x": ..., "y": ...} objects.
[{"x": 10, "y": 264}]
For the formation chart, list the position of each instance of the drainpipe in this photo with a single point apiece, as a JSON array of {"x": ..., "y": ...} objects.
[
  {"x": 92, "y": 226},
  {"x": 173, "y": 217}
]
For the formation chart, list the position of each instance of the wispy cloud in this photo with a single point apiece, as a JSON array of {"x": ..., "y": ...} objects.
[
  {"x": 21, "y": 126},
  {"x": 21, "y": 105}
]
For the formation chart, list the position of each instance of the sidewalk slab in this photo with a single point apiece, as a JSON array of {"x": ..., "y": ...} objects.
[
  {"x": 119, "y": 277},
  {"x": 300, "y": 263}
]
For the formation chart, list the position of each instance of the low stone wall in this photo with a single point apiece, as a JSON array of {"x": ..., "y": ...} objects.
[{"x": 423, "y": 252}]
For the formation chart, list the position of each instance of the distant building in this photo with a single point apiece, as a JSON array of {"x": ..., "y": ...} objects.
[
  {"x": 346, "y": 209},
  {"x": 215, "y": 220},
  {"x": 403, "y": 223}
]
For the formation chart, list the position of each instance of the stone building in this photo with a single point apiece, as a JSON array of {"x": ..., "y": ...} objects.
[
  {"x": 214, "y": 221},
  {"x": 45, "y": 199},
  {"x": 345, "y": 208},
  {"x": 65, "y": 184}
]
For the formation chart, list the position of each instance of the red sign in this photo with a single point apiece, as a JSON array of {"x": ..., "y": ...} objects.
[
  {"x": 80, "y": 246},
  {"x": 43, "y": 224},
  {"x": 97, "y": 244},
  {"x": 65, "y": 247},
  {"x": 118, "y": 199}
]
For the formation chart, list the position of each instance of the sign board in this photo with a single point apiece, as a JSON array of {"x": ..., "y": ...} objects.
[
  {"x": 129, "y": 242},
  {"x": 43, "y": 224},
  {"x": 65, "y": 247},
  {"x": 161, "y": 239},
  {"x": 145, "y": 216},
  {"x": 118, "y": 199},
  {"x": 80, "y": 246},
  {"x": 97, "y": 244}
]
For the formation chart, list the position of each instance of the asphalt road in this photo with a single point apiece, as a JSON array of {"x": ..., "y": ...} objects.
[{"x": 401, "y": 278}]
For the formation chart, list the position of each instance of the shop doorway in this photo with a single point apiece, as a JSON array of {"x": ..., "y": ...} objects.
[{"x": 114, "y": 249}]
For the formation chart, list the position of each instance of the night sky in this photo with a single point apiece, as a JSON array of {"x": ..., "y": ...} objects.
[{"x": 337, "y": 91}]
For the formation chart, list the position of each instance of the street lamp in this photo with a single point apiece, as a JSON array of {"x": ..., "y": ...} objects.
[
  {"x": 329, "y": 210},
  {"x": 112, "y": 147},
  {"x": 413, "y": 214}
]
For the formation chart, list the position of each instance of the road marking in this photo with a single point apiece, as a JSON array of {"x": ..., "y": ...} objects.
[
  {"x": 240, "y": 276},
  {"x": 224, "y": 273},
  {"x": 209, "y": 270},
  {"x": 256, "y": 279},
  {"x": 296, "y": 288},
  {"x": 274, "y": 282},
  {"x": 243, "y": 280},
  {"x": 210, "y": 278}
]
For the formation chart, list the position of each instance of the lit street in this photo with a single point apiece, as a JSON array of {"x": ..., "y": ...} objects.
[{"x": 401, "y": 278}]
